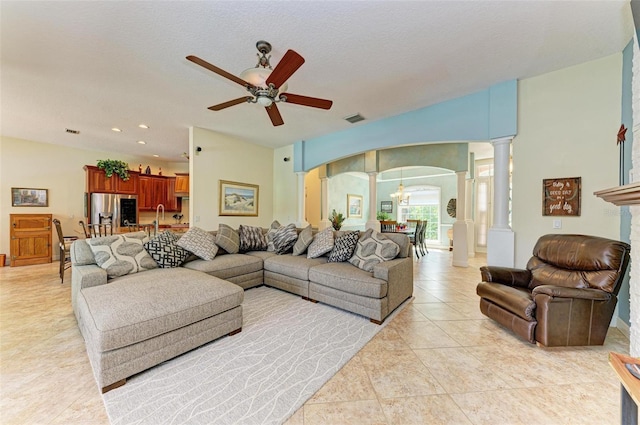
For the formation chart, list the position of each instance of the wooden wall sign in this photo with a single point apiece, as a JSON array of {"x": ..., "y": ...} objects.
[{"x": 561, "y": 196}]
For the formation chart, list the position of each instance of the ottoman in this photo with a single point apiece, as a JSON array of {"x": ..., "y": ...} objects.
[{"x": 143, "y": 319}]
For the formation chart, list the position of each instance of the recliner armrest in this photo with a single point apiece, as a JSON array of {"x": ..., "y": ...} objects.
[
  {"x": 562, "y": 292},
  {"x": 506, "y": 276}
]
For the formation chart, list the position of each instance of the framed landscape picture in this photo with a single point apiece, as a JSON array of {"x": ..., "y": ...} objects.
[
  {"x": 354, "y": 206},
  {"x": 238, "y": 198},
  {"x": 23, "y": 197}
]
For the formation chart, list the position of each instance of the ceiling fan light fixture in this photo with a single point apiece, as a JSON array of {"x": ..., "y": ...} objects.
[{"x": 264, "y": 101}]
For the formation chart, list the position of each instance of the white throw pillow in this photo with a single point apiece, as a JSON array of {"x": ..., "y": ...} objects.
[
  {"x": 120, "y": 255},
  {"x": 200, "y": 242},
  {"x": 373, "y": 248},
  {"x": 322, "y": 243}
]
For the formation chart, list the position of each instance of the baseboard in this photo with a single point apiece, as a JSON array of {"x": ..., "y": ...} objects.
[{"x": 623, "y": 327}]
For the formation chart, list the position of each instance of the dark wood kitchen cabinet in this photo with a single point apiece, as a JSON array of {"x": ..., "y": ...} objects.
[{"x": 97, "y": 181}]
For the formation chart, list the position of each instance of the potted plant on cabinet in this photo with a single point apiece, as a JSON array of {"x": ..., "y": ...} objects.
[{"x": 114, "y": 166}]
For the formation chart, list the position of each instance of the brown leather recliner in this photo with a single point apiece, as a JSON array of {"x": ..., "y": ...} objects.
[{"x": 566, "y": 295}]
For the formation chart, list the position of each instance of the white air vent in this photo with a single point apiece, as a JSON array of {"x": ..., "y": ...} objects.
[
  {"x": 68, "y": 130},
  {"x": 354, "y": 118}
]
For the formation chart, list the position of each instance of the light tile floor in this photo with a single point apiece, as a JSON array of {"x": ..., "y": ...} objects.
[{"x": 438, "y": 362}]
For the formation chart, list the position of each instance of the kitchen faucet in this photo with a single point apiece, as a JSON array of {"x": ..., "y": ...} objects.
[{"x": 157, "y": 213}]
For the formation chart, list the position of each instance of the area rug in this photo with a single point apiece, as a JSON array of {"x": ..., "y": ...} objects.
[{"x": 287, "y": 350}]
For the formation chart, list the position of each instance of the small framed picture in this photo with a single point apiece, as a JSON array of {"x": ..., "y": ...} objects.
[
  {"x": 238, "y": 198},
  {"x": 26, "y": 197},
  {"x": 354, "y": 206},
  {"x": 386, "y": 206}
]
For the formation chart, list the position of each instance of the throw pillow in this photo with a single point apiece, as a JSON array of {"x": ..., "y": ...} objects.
[
  {"x": 251, "y": 239},
  {"x": 322, "y": 243},
  {"x": 272, "y": 229},
  {"x": 228, "y": 239},
  {"x": 343, "y": 247},
  {"x": 304, "y": 240},
  {"x": 373, "y": 248},
  {"x": 284, "y": 238},
  {"x": 120, "y": 255},
  {"x": 164, "y": 250},
  {"x": 200, "y": 242}
]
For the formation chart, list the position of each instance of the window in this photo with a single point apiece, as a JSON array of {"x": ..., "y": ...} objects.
[{"x": 424, "y": 204}]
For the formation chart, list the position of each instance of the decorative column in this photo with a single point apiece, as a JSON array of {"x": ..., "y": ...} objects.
[
  {"x": 471, "y": 230},
  {"x": 501, "y": 239},
  {"x": 301, "y": 222},
  {"x": 372, "y": 222},
  {"x": 460, "y": 246},
  {"x": 324, "y": 203}
]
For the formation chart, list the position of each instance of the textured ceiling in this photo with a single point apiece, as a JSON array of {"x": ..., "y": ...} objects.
[{"x": 92, "y": 65}]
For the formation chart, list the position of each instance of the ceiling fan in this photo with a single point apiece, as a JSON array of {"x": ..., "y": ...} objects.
[{"x": 266, "y": 86}]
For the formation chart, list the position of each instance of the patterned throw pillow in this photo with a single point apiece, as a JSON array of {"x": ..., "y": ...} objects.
[
  {"x": 373, "y": 248},
  {"x": 165, "y": 251},
  {"x": 251, "y": 239},
  {"x": 304, "y": 240},
  {"x": 120, "y": 255},
  {"x": 272, "y": 230},
  {"x": 284, "y": 238},
  {"x": 200, "y": 242},
  {"x": 228, "y": 239},
  {"x": 322, "y": 243},
  {"x": 343, "y": 247}
]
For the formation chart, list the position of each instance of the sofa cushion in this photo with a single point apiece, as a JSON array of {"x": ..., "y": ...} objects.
[
  {"x": 227, "y": 266},
  {"x": 284, "y": 238},
  {"x": 200, "y": 242},
  {"x": 292, "y": 266},
  {"x": 120, "y": 255},
  {"x": 304, "y": 240},
  {"x": 322, "y": 243},
  {"x": 165, "y": 251},
  {"x": 272, "y": 230},
  {"x": 228, "y": 239},
  {"x": 344, "y": 246},
  {"x": 345, "y": 277},
  {"x": 134, "y": 308},
  {"x": 251, "y": 238},
  {"x": 373, "y": 248}
]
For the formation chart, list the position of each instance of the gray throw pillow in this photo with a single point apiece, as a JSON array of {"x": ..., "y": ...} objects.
[
  {"x": 343, "y": 247},
  {"x": 200, "y": 242},
  {"x": 272, "y": 230},
  {"x": 120, "y": 255},
  {"x": 284, "y": 238},
  {"x": 304, "y": 240},
  {"x": 322, "y": 243},
  {"x": 228, "y": 239},
  {"x": 373, "y": 248},
  {"x": 251, "y": 238},
  {"x": 164, "y": 250}
]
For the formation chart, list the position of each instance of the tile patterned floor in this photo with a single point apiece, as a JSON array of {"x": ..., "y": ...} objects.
[{"x": 438, "y": 362}]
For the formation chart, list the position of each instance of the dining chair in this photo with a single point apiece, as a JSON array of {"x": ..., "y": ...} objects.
[
  {"x": 423, "y": 238},
  {"x": 87, "y": 234},
  {"x": 104, "y": 229},
  {"x": 388, "y": 226},
  {"x": 415, "y": 237},
  {"x": 64, "y": 246}
]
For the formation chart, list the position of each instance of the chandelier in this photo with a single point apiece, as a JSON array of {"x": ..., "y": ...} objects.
[
  {"x": 399, "y": 195},
  {"x": 264, "y": 94}
]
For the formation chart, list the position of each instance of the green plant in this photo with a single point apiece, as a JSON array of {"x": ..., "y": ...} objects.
[
  {"x": 336, "y": 219},
  {"x": 383, "y": 216},
  {"x": 111, "y": 166}
]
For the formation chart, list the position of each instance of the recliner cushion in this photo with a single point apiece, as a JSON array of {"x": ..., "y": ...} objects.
[{"x": 518, "y": 301}]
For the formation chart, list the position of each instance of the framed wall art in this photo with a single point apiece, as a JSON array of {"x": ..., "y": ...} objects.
[
  {"x": 386, "y": 206},
  {"x": 27, "y": 197},
  {"x": 561, "y": 197},
  {"x": 238, "y": 198},
  {"x": 354, "y": 206}
]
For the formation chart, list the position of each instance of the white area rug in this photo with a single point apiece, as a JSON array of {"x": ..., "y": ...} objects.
[{"x": 287, "y": 350}]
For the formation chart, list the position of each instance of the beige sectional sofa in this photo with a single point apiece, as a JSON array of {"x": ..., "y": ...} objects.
[{"x": 201, "y": 300}]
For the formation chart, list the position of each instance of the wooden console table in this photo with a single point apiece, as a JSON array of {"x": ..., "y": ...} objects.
[{"x": 629, "y": 389}]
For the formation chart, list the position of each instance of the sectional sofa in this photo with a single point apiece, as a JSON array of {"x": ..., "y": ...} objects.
[{"x": 136, "y": 321}]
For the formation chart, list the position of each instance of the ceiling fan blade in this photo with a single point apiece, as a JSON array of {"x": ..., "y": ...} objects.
[
  {"x": 229, "y": 103},
  {"x": 289, "y": 64},
  {"x": 314, "y": 102},
  {"x": 274, "y": 114},
  {"x": 218, "y": 71}
]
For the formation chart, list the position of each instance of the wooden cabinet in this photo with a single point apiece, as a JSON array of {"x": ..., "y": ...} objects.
[
  {"x": 173, "y": 202},
  {"x": 30, "y": 239},
  {"x": 182, "y": 184},
  {"x": 153, "y": 191},
  {"x": 97, "y": 181}
]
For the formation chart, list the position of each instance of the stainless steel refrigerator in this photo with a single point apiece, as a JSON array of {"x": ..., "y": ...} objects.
[{"x": 113, "y": 208}]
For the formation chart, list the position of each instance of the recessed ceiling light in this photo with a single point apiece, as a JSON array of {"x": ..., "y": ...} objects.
[
  {"x": 156, "y": 156},
  {"x": 142, "y": 142},
  {"x": 143, "y": 126},
  {"x": 116, "y": 129}
]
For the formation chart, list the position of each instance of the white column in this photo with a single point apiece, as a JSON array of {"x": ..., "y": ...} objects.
[
  {"x": 471, "y": 231},
  {"x": 301, "y": 222},
  {"x": 460, "y": 246},
  {"x": 324, "y": 204},
  {"x": 501, "y": 239},
  {"x": 372, "y": 222}
]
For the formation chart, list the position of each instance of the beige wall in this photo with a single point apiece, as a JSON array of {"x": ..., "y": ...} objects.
[
  {"x": 285, "y": 205},
  {"x": 227, "y": 158},
  {"x": 313, "y": 202},
  {"x": 26, "y": 163},
  {"x": 567, "y": 125}
]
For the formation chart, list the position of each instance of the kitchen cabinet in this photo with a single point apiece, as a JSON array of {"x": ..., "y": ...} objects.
[
  {"x": 182, "y": 184},
  {"x": 156, "y": 190},
  {"x": 97, "y": 181},
  {"x": 173, "y": 203},
  {"x": 30, "y": 236}
]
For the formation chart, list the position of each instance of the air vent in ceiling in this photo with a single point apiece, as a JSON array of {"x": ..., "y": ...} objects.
[
  {"x": 354, "y": 118},
  {"x": 68, "y": 130}
]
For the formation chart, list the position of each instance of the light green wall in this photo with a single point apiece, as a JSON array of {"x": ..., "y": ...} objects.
[
  {"x": 567, "y": 125},
  {"x": 353, "y": 184}
]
